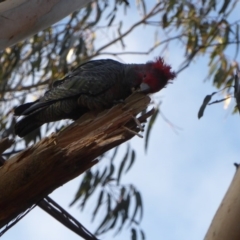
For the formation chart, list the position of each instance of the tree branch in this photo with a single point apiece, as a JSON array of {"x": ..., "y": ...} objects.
[
  {"x": 35, "y": 172},
  {"x": 153, "y": 12}
]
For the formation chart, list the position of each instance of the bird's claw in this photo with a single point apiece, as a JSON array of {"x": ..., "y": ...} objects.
[{"x": 118, "y": 101}]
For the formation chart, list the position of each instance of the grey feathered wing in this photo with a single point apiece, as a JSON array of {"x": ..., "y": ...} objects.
[{"x": 70, "y": 97}]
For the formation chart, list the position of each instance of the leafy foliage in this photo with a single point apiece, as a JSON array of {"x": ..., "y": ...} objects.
[
  {"x": 202, "y": 28},
  {"x": 122, "y": 203}
]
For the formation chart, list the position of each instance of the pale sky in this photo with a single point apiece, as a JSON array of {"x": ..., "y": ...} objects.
[{"x": 182, "y": 178}]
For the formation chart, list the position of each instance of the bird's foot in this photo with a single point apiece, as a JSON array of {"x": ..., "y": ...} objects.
[{"x": 119, "y": 101}]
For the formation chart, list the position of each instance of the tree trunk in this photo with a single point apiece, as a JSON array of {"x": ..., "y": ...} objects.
[
  {"x": 225, "y": 224},
  {"x": 20, "y": 19}
]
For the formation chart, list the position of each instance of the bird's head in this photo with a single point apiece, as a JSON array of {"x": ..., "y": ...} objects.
[{"x": 155, "y": 76}]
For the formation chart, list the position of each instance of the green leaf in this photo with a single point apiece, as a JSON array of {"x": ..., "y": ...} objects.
[
  {"x": 108, "y": 177},
  {"x": 122, "y": 164},
  {"x": 142, "y": 234},
  {"x": 219, "y": 77},
  {"x": 138, "y": 206},
  {"x": 206, "y": 100},
  {"x": 111, "y": 20},
  {"x": 224, "y": 6},
  {"x": 96, "y": 180},
  {"x": 132, "y": 160},
  {"x": 124, "y": 212},
  {"x": 114, "y": 154},
  {"x": 84, "y": 188},
  {"x": 139, "y": 203},
  {"x": 103, "y": 174},
  {"x": 126, "y": 205},
  {"x": 113, "y": 223},
  {"x": 107, "y": 216},
  {"x": 99, "y": 203},
  {"x": 134, "y": 234},
  {"x": 144, "y": 7},
  {"x": 165, "y": 20},
  {"x": 149, "y": 128}
]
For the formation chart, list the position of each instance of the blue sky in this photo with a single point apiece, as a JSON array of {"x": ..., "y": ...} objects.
[{"x": 182, "y": 178}]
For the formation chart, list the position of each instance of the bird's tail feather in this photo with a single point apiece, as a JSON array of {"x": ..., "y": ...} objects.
[{"x": 27, "y": 125}]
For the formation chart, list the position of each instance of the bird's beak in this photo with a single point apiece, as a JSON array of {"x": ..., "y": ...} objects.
[{"x": 144, "y": 88}]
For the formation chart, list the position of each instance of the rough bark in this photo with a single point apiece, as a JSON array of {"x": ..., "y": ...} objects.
[
  {"x": 225, "y": 224},
  {"x": 20, "y": 19},
  {"x": 35, "y": 172}
]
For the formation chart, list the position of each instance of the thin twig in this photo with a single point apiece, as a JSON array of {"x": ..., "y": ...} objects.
[{"x": 133, "y": 132}]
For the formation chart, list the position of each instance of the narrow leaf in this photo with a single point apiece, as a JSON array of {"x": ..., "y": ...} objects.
[
  {"x": 84, "y": 188},
  {"x": 206, "y": 100},
  {"x": 107, "y": 216},
  {"x": 164, "y": 20},
  {"x": 224, "y": 6},
  {"x": 113, "y": 223},
  {"x": 124, "y": 213},
  {"x": 138, "y": 205},
  {"x": 111, "y": 20},
  {"x": 122, "y": 165},
  {"x": 134, "y": 234},
  {"x": 132, "y": 160},
  {"x": 114, "y": 153},
  {"x": 149, "y": 128},
  {"x": 99, "y": 202},
  {"x": 142, "y": 234},
  {"x": 103, "y": 174}
]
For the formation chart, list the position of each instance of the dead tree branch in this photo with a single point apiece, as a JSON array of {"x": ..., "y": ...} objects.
[{"x": 35, "y": 172}]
